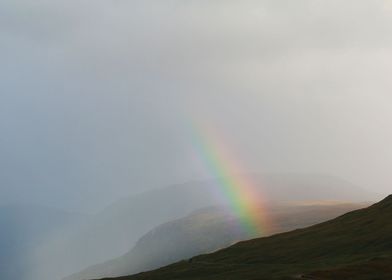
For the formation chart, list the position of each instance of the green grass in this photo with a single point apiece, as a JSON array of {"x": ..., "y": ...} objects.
[
  {"x": 377, "y": 268},
  {"x": 346, "y": 245}
]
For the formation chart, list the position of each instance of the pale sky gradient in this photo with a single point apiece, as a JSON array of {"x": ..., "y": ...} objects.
[{"x": 96, "y": 96}]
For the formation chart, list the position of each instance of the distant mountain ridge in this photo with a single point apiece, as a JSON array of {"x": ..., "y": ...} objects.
[
  {"x": 357, "y": 245},
  {"x": 205, "y": 231},
  {"x": 114, "y": 231}
]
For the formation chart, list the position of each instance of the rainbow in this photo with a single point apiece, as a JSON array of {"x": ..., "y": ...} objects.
[{"x": 241, "y": 194}]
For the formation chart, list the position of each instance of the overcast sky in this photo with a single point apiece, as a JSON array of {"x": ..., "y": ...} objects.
[{"x": 96, "y": 96}]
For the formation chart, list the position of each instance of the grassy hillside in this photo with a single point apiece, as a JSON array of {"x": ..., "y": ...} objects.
[
  {"x": 375, "y": 268},
  {"x": 357, "y": 241}
]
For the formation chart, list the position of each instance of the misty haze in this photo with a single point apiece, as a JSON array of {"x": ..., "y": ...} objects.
[{"x": 200, "y": 140}]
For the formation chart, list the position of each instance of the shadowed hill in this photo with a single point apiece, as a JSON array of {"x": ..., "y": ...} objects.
[
  {"x": 347, "y": 244},
  {"x": 375, "y": 268}
]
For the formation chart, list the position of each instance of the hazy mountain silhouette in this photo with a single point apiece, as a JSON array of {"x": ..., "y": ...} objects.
[
  {"x": 114, "y": 231},
  {"x": 205, "y": 231},
  {"x": 357, "y": 245}
]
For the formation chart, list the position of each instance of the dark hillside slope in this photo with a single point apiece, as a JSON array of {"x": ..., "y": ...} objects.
[
  {"x": 375, "y": 268},
  {"x": 339, "y": 245}
]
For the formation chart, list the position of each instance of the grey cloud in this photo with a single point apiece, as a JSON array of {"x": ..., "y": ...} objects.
[{"x": 95, "y": 96}]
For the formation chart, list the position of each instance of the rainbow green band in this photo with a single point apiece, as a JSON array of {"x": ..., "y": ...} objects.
[{"x": 242, "y": 196}]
